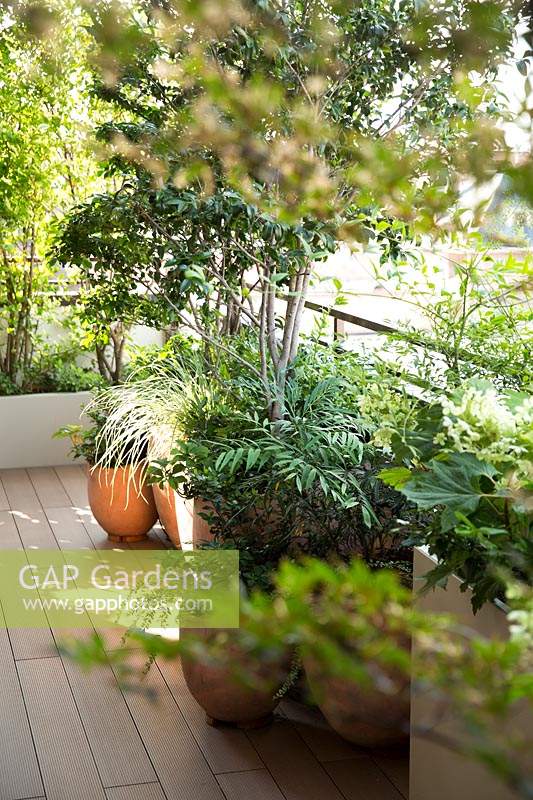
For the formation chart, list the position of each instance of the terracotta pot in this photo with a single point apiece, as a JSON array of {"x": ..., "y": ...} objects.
[
  {"x": 181, "y": 518},
  {"x": 225, "y": 697},
  {"x": 125, "y": 512},
  {"x": 165, "y": 501},
  {"x": 201, "y": 531},
  {"x": 362, "y": 715}
]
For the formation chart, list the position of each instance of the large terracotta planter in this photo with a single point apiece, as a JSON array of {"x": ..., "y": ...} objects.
[
  {"x": 165, "y": 502},
  {"x": 362, "y": 715},
  {"x": 223, "y": 695},
  {"x": 124, "y": 508},
  {"x": 181, "y": 519},
  {"x": 201, "y": 531}
]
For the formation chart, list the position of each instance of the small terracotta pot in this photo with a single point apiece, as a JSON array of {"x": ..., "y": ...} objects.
[
  {"x": 121, "y": 503},
  {"x": 224, "y": 697},
  {"x": 165, "y": 502},
  {"x": 362, "y": 715}
]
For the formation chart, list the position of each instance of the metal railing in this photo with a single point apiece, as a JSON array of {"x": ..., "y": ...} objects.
[{"x": 341, "y": 317}]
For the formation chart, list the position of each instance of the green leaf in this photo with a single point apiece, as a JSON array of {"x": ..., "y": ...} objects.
[
  {"x": 252, "y": 457},
  {"x": 453, "y": 482},
  {"x": 396, "y": 477}
]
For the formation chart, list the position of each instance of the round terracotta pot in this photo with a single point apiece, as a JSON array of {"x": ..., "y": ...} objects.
[
  {"x": 224, "y": 696},
  {"x": 165, "y": 502},
  {"x": 125, "y": 510},
  {"x": 362, "y": 715}
]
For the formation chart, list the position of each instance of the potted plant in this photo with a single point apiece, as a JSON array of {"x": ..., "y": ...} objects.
[
  {"x": 306, "y": 485},
  {"x": 468, "y": 456},
  {"x": 350, "y": 624},
  {"x": 141, "y": 419},
  {"x": 230, "y": 674},
  {"x": 120, "y": 499}
]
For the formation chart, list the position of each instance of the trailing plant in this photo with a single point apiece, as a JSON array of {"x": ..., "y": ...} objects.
[
  {"x": 353, "y": 622},
  {"x": 471, "y": 457}
]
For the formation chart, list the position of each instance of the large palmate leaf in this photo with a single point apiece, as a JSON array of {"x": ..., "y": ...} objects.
[{"x": 454, "y": 482}]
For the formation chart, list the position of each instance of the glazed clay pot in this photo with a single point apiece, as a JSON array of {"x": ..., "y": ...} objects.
[
  {"x": 364, "y": 716},
  {"x": 165, "y": 502},
  {"x": 123, "y": 512},
  {"x": 224, "y": 696}
]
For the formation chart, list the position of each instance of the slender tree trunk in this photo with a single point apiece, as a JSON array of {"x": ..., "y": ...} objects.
[{"x": 293, "y": 319}]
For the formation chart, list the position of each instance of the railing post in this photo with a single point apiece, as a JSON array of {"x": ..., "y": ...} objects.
[{"x": 339, "y": 328}]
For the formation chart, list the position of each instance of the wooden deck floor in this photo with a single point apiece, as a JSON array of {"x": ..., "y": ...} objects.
[{"x": 70, "y": 735}]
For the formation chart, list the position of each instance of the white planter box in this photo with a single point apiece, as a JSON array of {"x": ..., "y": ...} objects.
[
  {"x": 27, "y": 423},
  {"x": 437, "y": 773}
]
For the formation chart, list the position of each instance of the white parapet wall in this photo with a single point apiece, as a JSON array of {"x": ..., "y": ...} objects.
[
  {"x": 436, "y": 772},
  {"x": 27, "y": 424}
]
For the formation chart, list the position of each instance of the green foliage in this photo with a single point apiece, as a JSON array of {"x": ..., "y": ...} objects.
[
  {"x": 45, "y": 165},
  {"x": 7, "y": 386},
  {"x": 353, "y": 624},
  {"x": 45, "y": 161},
  {"x": 63, "y": 377},
  {"x": 322, "y": 102},
  {"x": 478, "y": 321},
  {"x": 89, "y": 444},
  {"x": 472, "y": 459},
  {"x": 308, "y": 482},
  {"x": 25, "y": 302},
  {"x": 259, "y": 136}
]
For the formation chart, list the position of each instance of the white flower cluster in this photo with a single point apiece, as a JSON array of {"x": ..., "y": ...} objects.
[
  {"x": 387, "y": 410},
  {"x": 484, "y": 422}
]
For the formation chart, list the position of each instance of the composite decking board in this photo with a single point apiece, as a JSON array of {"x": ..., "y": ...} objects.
[
  {"x": 155, "y": 541},
  {"x": 292, "y": 764},
  {"x": 361, "y": 779},
  {"x": 16, "y": 742},
  {"x": 19, "y": 490},
  {"x": 26, "y": 642},
  {"x": 48, "y": 487},
  {"x": 9, "y": 535},
  {"x": 180, "y": 766},
  {"x": 4, "y": 503},
  {"x": 34, "y": 529},
  {"x": 145, "y": 791},
  {"x": 115, "y": 742},
  {"x": 394, "y": 762},
  {"x": 283, "y": 763},
  {"x": 32, "y": 643},
  {"x": 226, "y": 749},
  {"x": 325, "y": 744},
  {"x": 67, "y": 764},
  {"x": 257, "y": 784},
  {"x": 96, "y": 533},
  {"x": 68, "y": 529},
  {"x": 74, "y": 481}
]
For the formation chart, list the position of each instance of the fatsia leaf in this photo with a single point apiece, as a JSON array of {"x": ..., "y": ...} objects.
[{"x": 453, "y": 482}]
